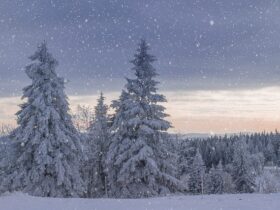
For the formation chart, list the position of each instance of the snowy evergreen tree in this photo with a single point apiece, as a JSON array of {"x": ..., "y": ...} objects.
[
  {"x": 269, "y": 152},
  {"x": 187, "y": 152},
  {"x": 243, "y": 173},
  {"x": 98, "y": 147},
  {"x": 257, "y": 163},
  {"x": 228, "y": 185},
  {"x": 214, "y": 182},
  {"x": 197, "y": 174},
  {"x": 137, "y": 155},
  {"x": 267, "y": 182},
  {"x": 47, "y": 145}
]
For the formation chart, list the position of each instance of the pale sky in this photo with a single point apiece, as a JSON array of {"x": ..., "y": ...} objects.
[
  {"x": 218, "y": 60},
  {"x": 200, "y": 111}
]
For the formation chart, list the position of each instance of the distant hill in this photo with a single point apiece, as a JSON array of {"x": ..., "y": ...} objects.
[{"x": 202, "y": 135}]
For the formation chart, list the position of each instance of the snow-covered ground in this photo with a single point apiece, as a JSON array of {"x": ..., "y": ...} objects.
[{"x": 19, "y": 201}]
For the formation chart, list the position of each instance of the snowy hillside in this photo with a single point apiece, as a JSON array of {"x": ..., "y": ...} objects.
[{"x": 18, "y": 201}]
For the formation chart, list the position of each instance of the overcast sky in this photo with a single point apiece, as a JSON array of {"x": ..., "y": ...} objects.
[{"x": 202, "y": 45}]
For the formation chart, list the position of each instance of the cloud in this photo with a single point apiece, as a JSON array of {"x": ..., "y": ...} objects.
[
  {"x": 217, "y": 111},
  {"x": 225, "y": 110},
  {"x": 240, "y": 49},
  {"x": 245, "y": 102}
]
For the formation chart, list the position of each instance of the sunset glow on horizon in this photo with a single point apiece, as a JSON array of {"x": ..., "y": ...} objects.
[{"x": 212, "y": 111}]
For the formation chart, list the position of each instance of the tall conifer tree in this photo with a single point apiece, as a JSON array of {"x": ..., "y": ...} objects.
[
  {"x": 136, "y": 156},
  {"x": 197, "y": 174},
  {"x": 243, "y": 173},
  {"x": 46, "y": 144},
  {"x": 98, "y": 148}
]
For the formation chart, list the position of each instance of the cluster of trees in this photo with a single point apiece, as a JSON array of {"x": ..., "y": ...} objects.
[
  {"x": 120, "y": 156},
  {"x": 230, "y": 164},
  {"x": 127, "y": 154}
]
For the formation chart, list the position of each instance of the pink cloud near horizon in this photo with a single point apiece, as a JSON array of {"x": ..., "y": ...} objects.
[{"x": 200, "y": 111}]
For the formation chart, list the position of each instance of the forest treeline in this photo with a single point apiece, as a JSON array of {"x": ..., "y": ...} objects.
[{"x": 127, "y": 154}]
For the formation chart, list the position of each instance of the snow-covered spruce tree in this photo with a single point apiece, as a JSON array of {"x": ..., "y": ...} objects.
[
  {"x": 267, "y": 182},
  {"x": 197, "y": 175},
  {"x": 98, "y": 142},
  {"x": 214, "y": 181},
  {"x": 243, "y": 173},
  {"x": 187, "y": 152},
  {"x": 136, "y": 157},
  {"x": 47, "y": 145}
]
